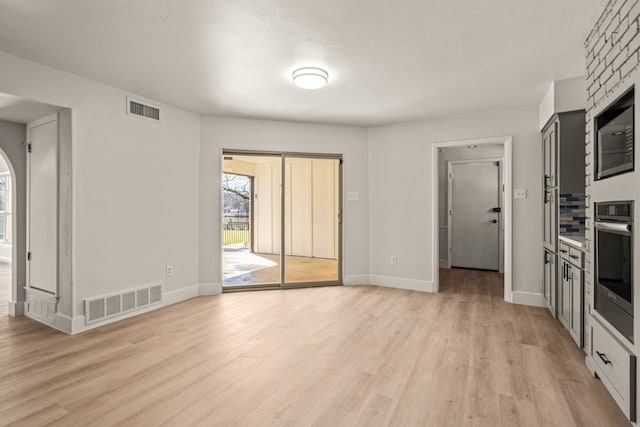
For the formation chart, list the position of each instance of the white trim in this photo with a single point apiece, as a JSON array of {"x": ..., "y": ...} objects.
[
  {"x": 209, "y": 289},
  {"x": 168, "y": 298},
  {"x": 356, "y": 279},
  {"x": 444, "y": 263},
  {"x": 16, "y": 308},
  {"x": 63, "y": 323},
  {"x": 181, "y": 294},
  {"x": 401, "y": 283},
  {"x": 507, "y": 214},
  {"x": 528, "y": 298}
]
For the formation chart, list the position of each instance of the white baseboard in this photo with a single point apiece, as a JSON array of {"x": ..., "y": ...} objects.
[
  {"x": 356, "y": 279},
  {"x": 77, "y": 324},
  {"x": 401, "y": 283},
  {"x": 444, "y": 263},
  {"x": 63, "y": 323},
  {"x": 209, "y": 289},
  {"x": 528, "y": 298},
  {"x": 181, "y": 294},
  {"x": 16, "y": 308}
]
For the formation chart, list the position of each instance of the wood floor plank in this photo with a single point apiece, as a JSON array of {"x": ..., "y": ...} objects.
[{"x": 334, "y": 356}]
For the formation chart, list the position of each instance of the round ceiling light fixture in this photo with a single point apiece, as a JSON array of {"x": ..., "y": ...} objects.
[{"x": 310, "y": 77}]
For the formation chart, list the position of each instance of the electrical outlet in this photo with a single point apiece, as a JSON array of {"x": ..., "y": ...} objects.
[
  {"x": 169, "y": 271},
  {"x": 394, "y": 260},
  {"x": 353, "y": 195},
  {"x": 519, "y": 194}
]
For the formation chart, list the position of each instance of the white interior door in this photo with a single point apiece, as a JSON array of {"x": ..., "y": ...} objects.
[
  {"x": 475, "y": 227},
  {"x": 43, "y": 206}
]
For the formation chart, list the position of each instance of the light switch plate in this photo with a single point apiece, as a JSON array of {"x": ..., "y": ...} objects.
[
  {"x": 519, "y": 194},
  {"x": 353, "y": 195}
]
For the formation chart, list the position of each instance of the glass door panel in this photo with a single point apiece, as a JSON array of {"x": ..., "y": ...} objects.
[
  {"x": 311, "y": 220},
  {"x": 251, "y": 220}
]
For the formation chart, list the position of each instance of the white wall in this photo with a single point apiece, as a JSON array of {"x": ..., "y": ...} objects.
[
  {"x": 218, "y": 133},
  {"x": 562, "y": 96},
  {"x": 147, "y": 195},
  {"x": 400, "y": 194},
  {"x": 135, "y": 183}
]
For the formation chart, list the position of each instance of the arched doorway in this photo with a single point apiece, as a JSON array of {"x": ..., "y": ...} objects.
[{"x": 8, "y": 273}]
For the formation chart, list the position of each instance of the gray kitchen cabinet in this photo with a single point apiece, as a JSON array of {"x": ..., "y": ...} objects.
[
  {"x": 550, "y": 150},
  {"x": 550, "y": 219},
  {"x": 576, "y": 324},
  {"x": 563, "y": 145},
  {"x": 571, "y": 309},
  {"x": 564, "y": 294},
  {"x": 550, "y": 279}
]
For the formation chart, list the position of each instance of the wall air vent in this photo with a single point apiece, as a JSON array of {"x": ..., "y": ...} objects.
[
  {"x": 114, "y": 305},
  {"x": 140, "y": 109}
]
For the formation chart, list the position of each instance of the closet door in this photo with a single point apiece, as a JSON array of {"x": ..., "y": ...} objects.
[{"x": 43, "y": 205}]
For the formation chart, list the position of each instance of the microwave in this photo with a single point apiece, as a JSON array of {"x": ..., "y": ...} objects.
[{"x": 615, "y": 139}]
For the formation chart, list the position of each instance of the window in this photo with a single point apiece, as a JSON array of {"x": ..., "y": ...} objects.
[{"x": 5, "y": 208}]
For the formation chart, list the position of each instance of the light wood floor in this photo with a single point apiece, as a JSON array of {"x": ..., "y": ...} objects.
[
  {"x": 298, "y": 270},
  {"x": 344, "y": 356}
]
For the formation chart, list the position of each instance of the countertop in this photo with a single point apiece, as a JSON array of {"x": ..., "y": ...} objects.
[{"x": 573, "y": 239}]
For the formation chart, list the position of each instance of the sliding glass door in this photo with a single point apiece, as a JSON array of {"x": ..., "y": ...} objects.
[
  {"x": 251, "y": 221},
  {"x": 281, "y": 220}
]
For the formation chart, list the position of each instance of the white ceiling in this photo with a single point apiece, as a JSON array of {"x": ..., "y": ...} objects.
[{"x": 389, "y": 61}]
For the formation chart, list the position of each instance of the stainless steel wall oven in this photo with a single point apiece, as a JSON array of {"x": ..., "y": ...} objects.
[{"x": 614, "y": 264}]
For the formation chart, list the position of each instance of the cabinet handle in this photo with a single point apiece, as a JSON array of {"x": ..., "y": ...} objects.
[
  {"x": 574, "y": 256},
  {"x": 563, "y": 251},
  {"x": 604, "y": 358}
]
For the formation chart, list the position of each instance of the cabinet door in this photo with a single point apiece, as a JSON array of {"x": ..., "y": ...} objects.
[
  {"x": 549, "y": 284},
  {"x": 577, "y": 303},
  {"x": 564, "y": 295},
  {"x": 550, "y": 159},
  {"x": 550, "y": 219}
]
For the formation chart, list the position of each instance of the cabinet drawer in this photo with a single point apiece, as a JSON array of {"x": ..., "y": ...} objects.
[
  {"x": 563, "y": 250},
  {"x": 616, "y": 367},
  {"x": 576, "y": 257}
]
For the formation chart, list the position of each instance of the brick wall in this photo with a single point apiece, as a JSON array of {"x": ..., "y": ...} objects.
[{"x": 612, "y": 56}]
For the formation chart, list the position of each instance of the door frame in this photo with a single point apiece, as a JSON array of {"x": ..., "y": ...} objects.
[
  {"x": 500, "y": 162},
  {"x": 283, "y": 155},
  {"x": 507, "y": 142}
]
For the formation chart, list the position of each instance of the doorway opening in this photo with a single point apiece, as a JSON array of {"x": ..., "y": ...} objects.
[
  {"x": 6, "y": 234},
  {"x": 35, "y": 139},
  {"x": 281, "y": 224},
  {"x": 472, "y": 213}
]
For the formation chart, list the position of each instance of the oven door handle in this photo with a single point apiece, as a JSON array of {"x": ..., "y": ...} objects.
[{"x": 611, "y": 226}]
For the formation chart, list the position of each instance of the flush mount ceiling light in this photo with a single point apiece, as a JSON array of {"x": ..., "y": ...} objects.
[{"x": 310, "y": 77}]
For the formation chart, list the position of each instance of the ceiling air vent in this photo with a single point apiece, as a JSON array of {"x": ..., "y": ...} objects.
[{"x": 137, "y": 108}]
